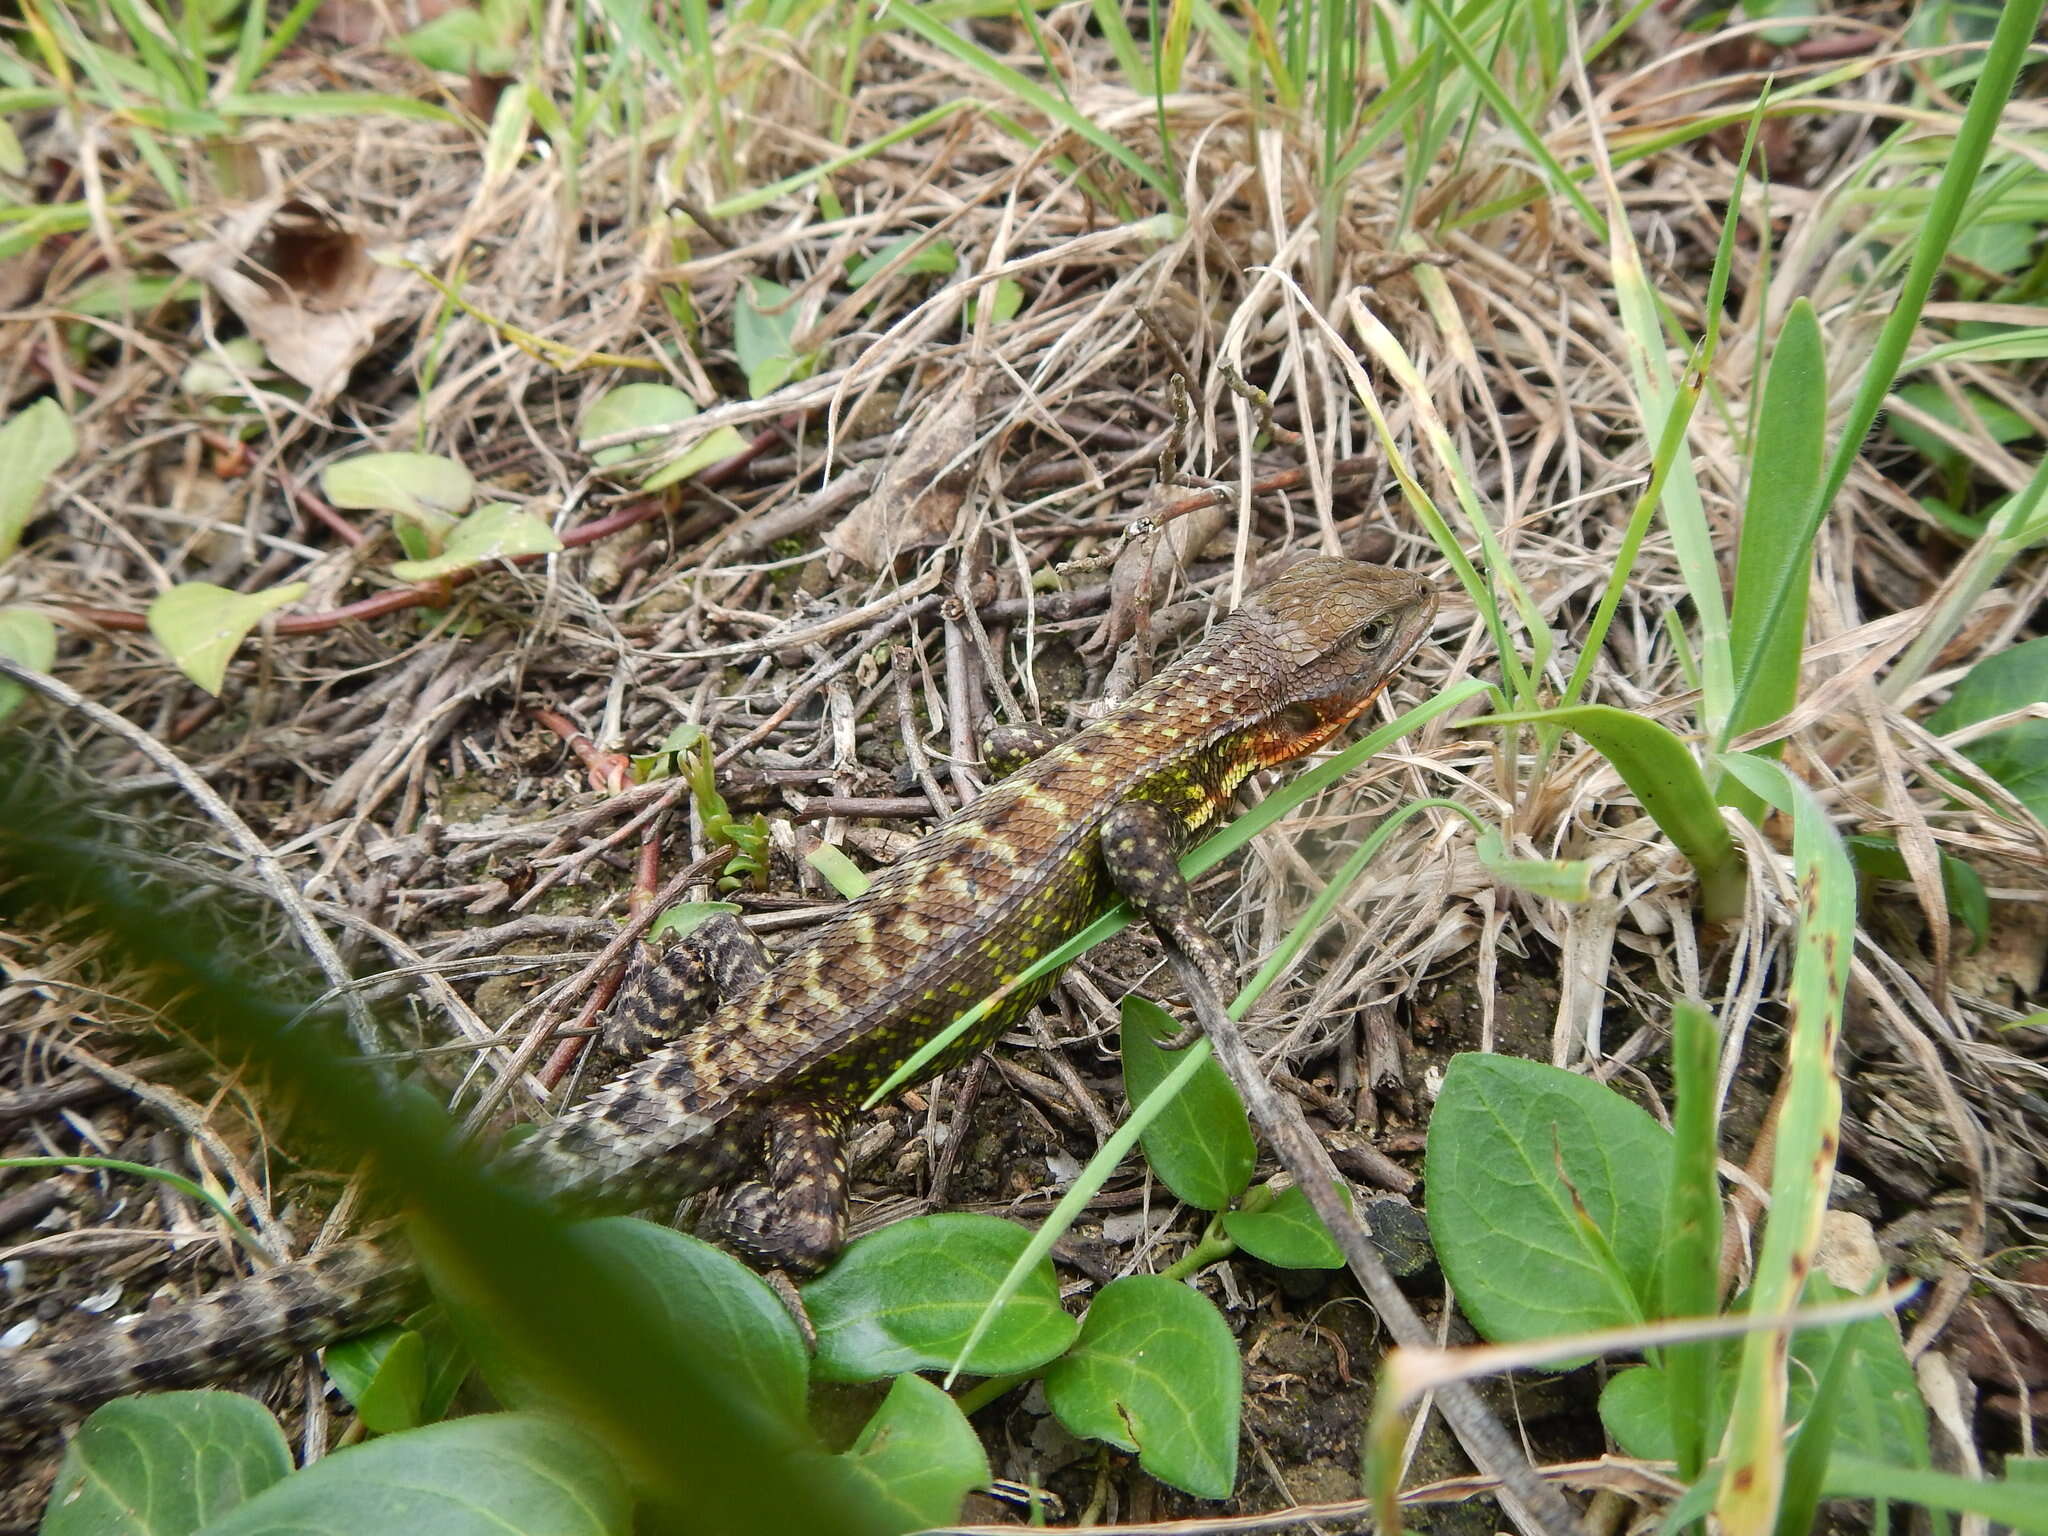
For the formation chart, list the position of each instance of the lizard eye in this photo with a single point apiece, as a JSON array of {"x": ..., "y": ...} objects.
[{"x": 1371, "y": 637}]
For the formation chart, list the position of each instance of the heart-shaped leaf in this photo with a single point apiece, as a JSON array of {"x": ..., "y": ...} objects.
[
  {"x": 165, "y": 1465},
  {"x": 33, "y": 445},
  {"x": 429, "y": 488},
  {"x": 495, "y": 532},
  {"x": 200, "y": 624},
  {"x": 906, "y": 1298},
  {"x": 1156, "y": 1372},
  {"x": 1200, "y": 1145},
  {"x": 29, "y": 638},
  {"x": 920, "y": 1454}
]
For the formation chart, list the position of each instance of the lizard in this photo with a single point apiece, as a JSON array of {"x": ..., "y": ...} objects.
[{"x": 1070, "y": 829}]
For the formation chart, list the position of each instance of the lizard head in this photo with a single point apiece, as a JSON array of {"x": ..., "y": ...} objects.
[{"x": 1337, "y": 631}]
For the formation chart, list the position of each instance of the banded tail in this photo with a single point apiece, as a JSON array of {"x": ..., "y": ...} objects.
[{"x": 263, "y": 1320}]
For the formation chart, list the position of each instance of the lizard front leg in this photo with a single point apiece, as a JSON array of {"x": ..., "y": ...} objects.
[
  {"x": 667, "y": 993},
  {"x": 796, "y": 1220},
  {"x": 1141, "y": 843}
]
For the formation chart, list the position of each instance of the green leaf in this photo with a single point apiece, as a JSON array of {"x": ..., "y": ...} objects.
[
  {"x": 685, "y": 917},
  {"x": 654, "y": 406},
  {"x": 1982, "y": 416},
  {"x": 1156, "y": 1371},
  {"x": 429, "y": 488},
  {"x": 1559, "y": 879},
  {"x": 460, "y": 41},
  {"x": 1878, "y": 858},
  {"x": 1784, "y": 477},
  {"x": 919, "y": 1454},
  {"x": 1288, "y": 1232},
  {"x": 1661, "y": 773},
  {"x": 1635, "y": 1409},
  {"x": 907, "y": 1297},
  {"x": 2016, "y": 1503},
  {"x": 1003, "y": 307},
  {"x": 763, "y": 337},
  {"x": 500, "y": 1474},
  {"x": 200, "y": 624},
  {"x": 937, "y": 257},
  {"x": 679, "y": 1280},
  {"x": 164, "y": 1465},
  {"x": 723, "y": 443},
  {"x": 34, "y": 444},
  {"x": 2018, "y": 755},
  {"x": 840, "y": 872},
  {"x": 1546, "y": 1198},
  {"x": 498, "y": 531},
  {"x": 384, "y": 1374},
  {"x": 1201, "y": 1144},
  {"x": 28, "y": 637}
]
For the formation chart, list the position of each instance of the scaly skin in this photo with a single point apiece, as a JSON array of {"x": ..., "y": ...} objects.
[{"x": 968, "y": 908}]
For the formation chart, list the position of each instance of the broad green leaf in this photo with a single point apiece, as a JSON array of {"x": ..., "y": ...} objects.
[
  {"x": 165, "y": 1465},
  {"x": 1661, "y": 773},
  {"x": 1003, "y": 307},
  {"x": 1156, "y": 1371},
  {"x": 763, "y": 337},
  {"x": 1201, "y": 1144},
  {"x": 498, "y": 531},
  {"x": 429, "y": 488},
  {"x": 384, "y": 1374},
  {"x": 919, "y": 1454},
  {"x": 1962, "y": 887},
  {"x": 679, "y": 1279},
  {"x": 200, "y": 624},
  {"x": 1635, "y": 1409},
  {"x": 28, "y": 637},
  {"x": 1689, "y": 1285},
  {"x": 723, "y": 443},
  {"x": 1288, "y": 1232},
  {"x": 907, "y": 1297},
  {"x": 34, "y": 444},
  {"x": 1546, "y": 1198},
  {"x": 1784, "y": 476},
  {"x": 2018, "y": 755},
  {"x": 840, "y": 872},
  {"x": 499, "y": 1474},
  {"x": 220, "y": 372}
]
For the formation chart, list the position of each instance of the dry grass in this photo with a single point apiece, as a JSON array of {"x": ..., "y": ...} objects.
[{"x": 883, "y": 546}]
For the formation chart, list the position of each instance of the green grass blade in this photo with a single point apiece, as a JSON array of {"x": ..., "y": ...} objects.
[
  {"x": 1803, "y": 1167},
  {"x": 1663, "y": 776},
  {"x": 1692, "y": 1228},
  {"x": 914, "y": 19},
  {"x": 2017, "y": 23}
]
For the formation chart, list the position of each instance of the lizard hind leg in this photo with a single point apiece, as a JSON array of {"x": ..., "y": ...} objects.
[
  {"x": 669, "y": 992},
  {"x": 1006, "y": 748},
  {"x": 1141, "y": 853},
  {"x": 796, "y": 1220}
]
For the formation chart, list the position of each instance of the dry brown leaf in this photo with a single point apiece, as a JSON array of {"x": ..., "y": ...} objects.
[
  {"x": 920, "y": 492},
  {"x": 305, "y": 286}
]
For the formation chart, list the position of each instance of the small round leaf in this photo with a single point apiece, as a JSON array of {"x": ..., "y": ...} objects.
[
  {"x": 29, "y": 638},
  {"x": 495, "y": 532},
  {"x": 429, "y": 488},
  {"x": 907, "y": 1298},
  {"x": 200, "y": 624},
  {"x": 1287, "y": 1233}
]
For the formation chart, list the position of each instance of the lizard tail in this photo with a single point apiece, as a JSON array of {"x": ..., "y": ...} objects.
[{"x": 262, "y": 1320}]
